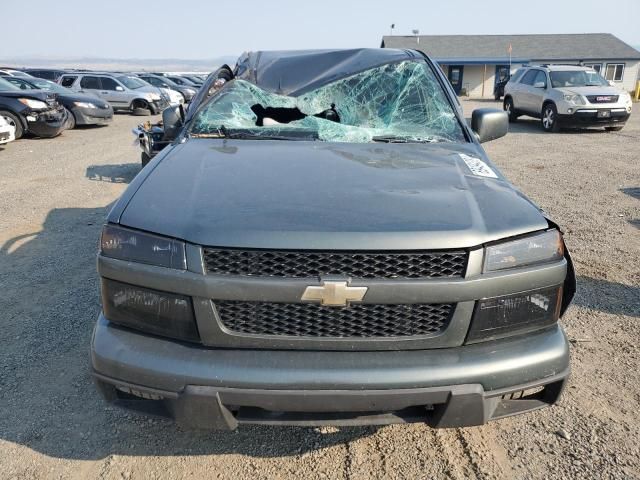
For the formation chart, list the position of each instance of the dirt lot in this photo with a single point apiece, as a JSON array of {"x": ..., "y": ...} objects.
[{"x": 55, "y": 195}]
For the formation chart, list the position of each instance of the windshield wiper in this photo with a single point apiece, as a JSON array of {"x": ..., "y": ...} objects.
[
  {"x": 258, "y": 134},
  {"x": 406, "y": 139}
]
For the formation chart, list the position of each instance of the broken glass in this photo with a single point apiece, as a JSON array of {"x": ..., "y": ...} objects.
[{"x": 400, "y": 101}]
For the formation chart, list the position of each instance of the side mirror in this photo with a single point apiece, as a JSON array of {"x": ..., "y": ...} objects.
[
  {"x": 489, "y": 124},
  {"x": 172, "y": 120},
  {"x": 540, "y": 85},
  {"x": 119, "y": 88}
]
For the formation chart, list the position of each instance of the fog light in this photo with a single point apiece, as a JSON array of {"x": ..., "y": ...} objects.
[
  {"x": 151, "y": 311},
  {"x": 569, "y": 110},
  {"x": 510, "y": 314}
]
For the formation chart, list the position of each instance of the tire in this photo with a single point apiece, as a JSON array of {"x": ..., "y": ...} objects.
[
  {"x": 71, "y": 120},
  {"x": 614, "y": 129},
  {"x": 144, "y": 159},
  {"x": 549, "y": 118},
  {"x": 140, "y": 108},
  {"x": 510, "y": 109},
  {"x": 13, "y": 120}
]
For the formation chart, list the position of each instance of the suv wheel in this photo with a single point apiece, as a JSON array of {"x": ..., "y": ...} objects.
[
  {"x": 549, "y": 118},
  {"x": 510, "y": 109},
  {"x": 140, "y": 108}
]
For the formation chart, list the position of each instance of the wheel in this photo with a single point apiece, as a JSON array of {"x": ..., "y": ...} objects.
[
  {"x": 13, "y": 120},
  {"x": 71, "y": 119},
  {"x": 549, "y": 118},
  {"x": 144, "y": 159},
  {"x": 613, "y": 129},
  {"x": 510, "y": 109},
  {"x": 140, "y": 108}
]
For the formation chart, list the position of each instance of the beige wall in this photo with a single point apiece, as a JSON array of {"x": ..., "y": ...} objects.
[{"x": 473, "y": 75}]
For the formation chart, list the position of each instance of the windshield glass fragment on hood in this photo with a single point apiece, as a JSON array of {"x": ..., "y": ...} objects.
[{"x": 401, "y": 99}]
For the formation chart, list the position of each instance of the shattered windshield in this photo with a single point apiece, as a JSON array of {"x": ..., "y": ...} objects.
[{"x": 393, "y": 102}]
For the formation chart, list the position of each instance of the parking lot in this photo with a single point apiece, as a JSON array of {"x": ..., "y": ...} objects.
[{"x": 55, "y": 196}]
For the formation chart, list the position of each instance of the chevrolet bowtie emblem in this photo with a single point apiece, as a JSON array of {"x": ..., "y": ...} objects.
[{"x": 333, "y": 294}]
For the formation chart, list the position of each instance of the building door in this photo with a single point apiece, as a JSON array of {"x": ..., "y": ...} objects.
[
  {"x": 502, "y": 74},
  {"x": 455, "y": 77}
]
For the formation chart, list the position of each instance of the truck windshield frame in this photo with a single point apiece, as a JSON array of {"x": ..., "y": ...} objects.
[{"x": 402, "y": 99}]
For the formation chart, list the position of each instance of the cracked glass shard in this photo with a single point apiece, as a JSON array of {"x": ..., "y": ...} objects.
[{"x": 399, "y": 101}]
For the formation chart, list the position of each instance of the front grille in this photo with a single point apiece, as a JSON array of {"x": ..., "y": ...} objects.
[
  {"x": 602, "y": 98},
  {"x": 306, "y": 264},
  {"x": 311, "y": 320}
]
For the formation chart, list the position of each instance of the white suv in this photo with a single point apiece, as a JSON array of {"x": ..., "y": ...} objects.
[{"x": 566, "y": 96}]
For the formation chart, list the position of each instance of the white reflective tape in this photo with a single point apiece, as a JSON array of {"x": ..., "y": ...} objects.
[{"x": 478, "y": 167}]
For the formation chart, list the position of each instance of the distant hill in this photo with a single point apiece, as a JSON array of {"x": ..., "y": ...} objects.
[{"x": 97, "y": 63}]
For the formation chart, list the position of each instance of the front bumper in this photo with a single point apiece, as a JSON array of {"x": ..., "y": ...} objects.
[
  {"x": 47, "y": 124},
  {"x": 93, "y": 116},
  {"x": 595, "y": 117},
  {"x": 218, "y": 388}
]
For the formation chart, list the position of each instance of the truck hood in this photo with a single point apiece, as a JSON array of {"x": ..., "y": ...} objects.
[{"x": 316, "y": 195}]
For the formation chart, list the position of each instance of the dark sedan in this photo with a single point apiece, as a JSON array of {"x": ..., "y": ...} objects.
[
  {"x": 35, "y": 112},
  {"x": 81, "y": 109}
]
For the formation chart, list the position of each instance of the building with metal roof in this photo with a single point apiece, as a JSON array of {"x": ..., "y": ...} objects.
[{"x": 475, "y": 63}]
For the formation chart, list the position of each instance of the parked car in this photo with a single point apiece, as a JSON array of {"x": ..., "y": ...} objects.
[
  {"x": 34, "y": 112},
  {"x": 185, "y": 82},
  {"x": 123, "y": 92},
  {"x": 46, "y": 73},
  {"x": 326, "y": 241},
  {"x": 10, "y": 72},
  {"x": 567, "y": 96},
  {"x": 7, "y": 132},
  {"x": 82, "y": 109},
  {"x": 193, "y": 79},
  {"x": 165, "y": 82}
]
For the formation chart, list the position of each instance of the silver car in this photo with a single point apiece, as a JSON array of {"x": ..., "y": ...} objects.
[
  {"x": 566, "y": 96},
  {"x": 123, "y": 92}
]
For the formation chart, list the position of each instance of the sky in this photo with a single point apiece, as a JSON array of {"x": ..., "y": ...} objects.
[{"x": 197, "y": 29}]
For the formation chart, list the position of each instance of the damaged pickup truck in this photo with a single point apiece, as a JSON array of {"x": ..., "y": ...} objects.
[{"x": 324, "y": 241}]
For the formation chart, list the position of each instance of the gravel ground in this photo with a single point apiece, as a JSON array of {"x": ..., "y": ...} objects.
[{"x": 53, "y": 424}]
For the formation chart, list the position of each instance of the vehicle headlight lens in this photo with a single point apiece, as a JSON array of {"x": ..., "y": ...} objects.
[
  {"x": 124, "y": 244},
  {"x": 84, "y": 105},
  {"x": 575, "y": 99},
  {"x": 513, "y": 314},
  {"x": 33, "y": 104},
  {"x": 154, "y": 96},
  {"x": 189, "y": 91},
  {"x": 625, "y": 97},
  {"x": 148, "y": 310},
  {"x": 532, "y": 250}
]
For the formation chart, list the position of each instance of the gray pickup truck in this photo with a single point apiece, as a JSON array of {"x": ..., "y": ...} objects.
[{"x": 325, "y": 241}]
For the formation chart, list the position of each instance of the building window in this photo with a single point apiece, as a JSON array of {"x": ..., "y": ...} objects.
[
  {"x": 614, "y": 71},
  {"x": 595, "y": 66}
]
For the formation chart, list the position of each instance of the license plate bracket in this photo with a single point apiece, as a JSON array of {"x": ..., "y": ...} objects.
[{"x": 604, "y": 113}]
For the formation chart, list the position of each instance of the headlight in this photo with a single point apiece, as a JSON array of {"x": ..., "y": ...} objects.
[
  {"x": 512, "y": 314},
  {"x": 532, "y": 250},
  {"x": 34, "y": 104},
  {"x": 154, "y": 96},
  {"x": 625, "y": 97},
  {"x": 189, "y": 91},
  {"x": 130, "y": 245},
  {"x": 575, "y": 99},
  {"x": 151, "y": 311},
  {"x": 84, "y": 105}
]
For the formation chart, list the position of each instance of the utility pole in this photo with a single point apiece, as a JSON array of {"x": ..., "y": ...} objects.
[{"x": 393, "y": 25}]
